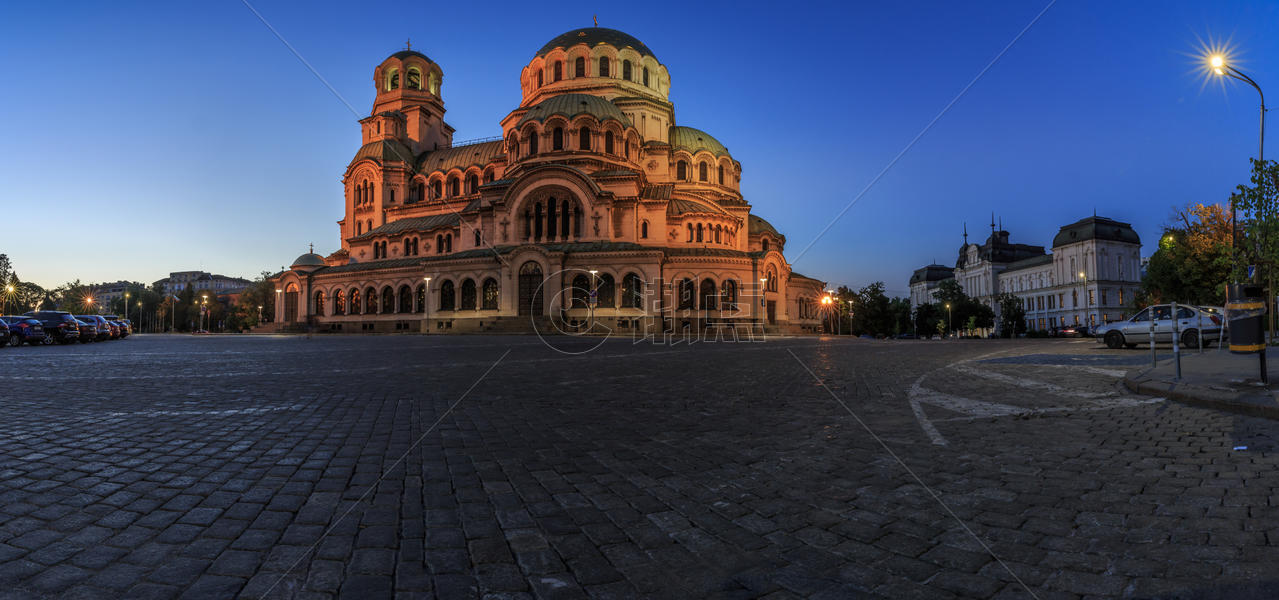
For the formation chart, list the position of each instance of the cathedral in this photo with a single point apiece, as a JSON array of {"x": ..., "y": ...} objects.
[{"x": 593, "y": 206}]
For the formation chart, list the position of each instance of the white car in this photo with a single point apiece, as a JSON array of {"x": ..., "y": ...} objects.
[{"x": 1192, "y": 321}]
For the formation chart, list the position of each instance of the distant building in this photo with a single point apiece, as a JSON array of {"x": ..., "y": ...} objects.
[
  {"x": 1089, "y": 278},
  {"x": 202, "y": 280},
  {"x": 106, "y": 293}
]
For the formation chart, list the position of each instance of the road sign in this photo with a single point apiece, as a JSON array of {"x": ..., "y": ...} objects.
[{"x": 1252, "y": 269}]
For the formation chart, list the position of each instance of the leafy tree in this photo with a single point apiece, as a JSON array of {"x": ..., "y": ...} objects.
[
  {"x": 1259, "y": 242},
  {"x": 1193, "y": 259},
  {"x": 930, "y": 318},
  {"x": 1012, "y": 315}
]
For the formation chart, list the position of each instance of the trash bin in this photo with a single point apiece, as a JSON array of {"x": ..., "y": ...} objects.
[{"x": 1246, "y": 311}]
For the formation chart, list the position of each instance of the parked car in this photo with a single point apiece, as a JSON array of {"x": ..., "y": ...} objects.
[
  {"x": 88, "y": 329},
  {"x": 126, "y": 327},
  {"x": 59, "y": 325},
  {"x": 4, "y": 334},
  {"x": 24, "y": 330},
  {"x": 1192, "y": 322},
  {"x": 105, "y": 330},
  {"x": 907, "y": 336}
]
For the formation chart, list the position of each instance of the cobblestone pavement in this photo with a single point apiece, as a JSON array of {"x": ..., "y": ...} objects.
[{"x": 333, "y": 467}]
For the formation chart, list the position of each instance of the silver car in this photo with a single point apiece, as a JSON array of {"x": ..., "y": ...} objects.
[{"x": 1191, "y": 321}]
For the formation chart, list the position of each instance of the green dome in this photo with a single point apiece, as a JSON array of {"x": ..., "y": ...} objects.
[
  {"x": 593, "y": 36},
  {"x": 696, "y": 140},
  {"x": 310, "y": 259},
  {"x": 572, "y": 105}
]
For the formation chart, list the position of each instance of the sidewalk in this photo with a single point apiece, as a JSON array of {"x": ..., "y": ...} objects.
[{"x": 1215, "y": 379}]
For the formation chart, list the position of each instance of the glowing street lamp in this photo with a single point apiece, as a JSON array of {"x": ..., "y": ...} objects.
[
  {"x": 278, "y": 306},
  {"x": 8, "y": 291},
  {"x": 594, "y": 298},
  {"x": 126, "y": 306},
  {"x": 426, "y": 305},
  {"x": 948, "y": 318},
  {"x": 1222, "y": 67}
]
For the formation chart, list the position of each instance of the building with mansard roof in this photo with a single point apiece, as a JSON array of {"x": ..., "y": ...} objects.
[
  {"x": 1089, "y": 278},
  {"x": 592, "y": 204}
]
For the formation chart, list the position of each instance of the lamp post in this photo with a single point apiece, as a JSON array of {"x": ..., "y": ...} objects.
[
  {"x": 850, "y": 317},
  {"x": 139, "y": 314},
  {"x": 1220, "y": 67},
  {"x": 826, "y": 309},
  {"x": 762, "y": 282},
  {"x": 259, "y": 314},
  {"x": 593, "y": 296},
  {"x": 426, "y": 305},
  {"x": 8, "y": 291},
  {"x": 1084, "y": 278},
  {"x": 126, "y": 306},
  {"x": 947, "y": 318},
  {"x": 278, "y": 308}
]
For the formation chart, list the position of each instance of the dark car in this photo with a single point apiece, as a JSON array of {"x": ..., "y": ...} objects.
[
  {"x": 104, "y": 330},
  {"x": 24, "y": 330},
  {"x": 4, "y": 334},
  {"x": 59, "y": 325},
  {"x": 126, "y": 327},
  {"x": 88, "y": 330}
]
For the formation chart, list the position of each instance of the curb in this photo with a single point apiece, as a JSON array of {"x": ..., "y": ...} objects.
[{"x": 1264, "y": 406}]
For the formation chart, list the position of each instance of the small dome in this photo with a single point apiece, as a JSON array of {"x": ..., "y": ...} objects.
[
  {"x": 403, "y": 54},
  {"x": 759, "y": 225},
  {"x": 310, "y": 259},
  {"x": 593, "y": 36},
  {"x": 572, "y": 105},
  {"x": 696, "y": 140}
]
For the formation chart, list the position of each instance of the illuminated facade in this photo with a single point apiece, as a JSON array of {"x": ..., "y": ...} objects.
[{"x": 593, "y": 203}]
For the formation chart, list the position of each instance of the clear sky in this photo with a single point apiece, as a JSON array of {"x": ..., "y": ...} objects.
[{"x": 143, "y": 138}]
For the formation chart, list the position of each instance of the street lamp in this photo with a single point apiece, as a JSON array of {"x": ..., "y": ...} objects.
[
  {"x": 8, "y": 292},
  {"x": 1084, "y": 278},
  {"x": 1220, "y": 67},
  {"x": 850, "y": 317},
  {"x": 259, "y": 314},
  {"x": 594, "y": 298},
  {"x": 140, "y": 319},
  {"x": 126, "y": 306},
  {"x": 826, "y": 308},
  {"x": 948, "y": 318},
  {"x": 762, "y": 282},
  {"x": 278, "y": 291},
  {"x": 426, "y": 305}
]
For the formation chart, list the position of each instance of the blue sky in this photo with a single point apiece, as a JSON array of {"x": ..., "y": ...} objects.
[{"x": 208, "y": 145}]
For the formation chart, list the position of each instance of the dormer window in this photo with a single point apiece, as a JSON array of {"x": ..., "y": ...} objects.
[
  {"x": 626, "y": 70},
  {"x": 557, "y": 71},
  {"x": 603, "y": 66},
  {"x": 579, "y": 67}
]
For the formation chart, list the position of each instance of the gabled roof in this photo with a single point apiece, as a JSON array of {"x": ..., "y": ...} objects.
[
  {"x": 462, "y": 157},
  {"x": 412, "y": 224}
]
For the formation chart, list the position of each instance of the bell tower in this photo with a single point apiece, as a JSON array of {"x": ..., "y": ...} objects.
[{"x": 408, "y": 105}]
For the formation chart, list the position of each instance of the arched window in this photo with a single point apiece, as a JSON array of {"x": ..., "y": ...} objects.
[
  {"x": 448, "y": 242},
  {"x": 488, "y": 176},
  {"x": 435, "y": 84},
  {"x": 632, "y": 291},
  {"x": 368, "y": 225},
  {"x": 699, "y": 232},
  {"x": 764, "y": 245},
  {"x": 584, "y": 138},
  {"x": 645, "y": 76},
  {"x": 472, "y": 183},
  {"x": 721, "y": 174},
  {"x": 405, "y": 300},
  {"x": 439, "y": 244},
  {"x": 681, "y": 170},
  {"x": 604, "y": 291},
  {"x": 415, "y": 192},
  {"x": 377, "y": 249},
  {"x": 359, "y": 227},
  {"x": 557, "y": 71},
  {"x": 388, "y": 300},
  {"x": 435, "y": 190},
  {"x": 370, "y": 301},
  {"x": 339, "y": 303},
  {"x": 608, "y": 142},
  {"x": 447, "y": 297},
  {"x": 414, "y": 79},
  {"x": 419, "y": 298},
  {"x": 581, "y": 291},
  {"x": 532, "y": 142},
  {"x": 701, "y": 172},
  {"x": 626, "y": 70},
  {"x": 319, "y": 303},
  {"x": 644, "y": 230},
  {"x": 489, "y": 297},
  {"x": 393, "y": 79},
  {"x": 557, "y": 138},
  {"x": 718, "y": 232},
  {"x": 539, "y": 78},
  {"x": 772, "y": 279},
  {"x": 687, "y": 294},
  {"x": 453, "y": 187},
  {"x": 728, "y": 297},
  {"x": 468, "y": 294},
  {"x": 603, "y": 66},
  {"x": 690, "y": 232},
  {"x": 479, "y": 240},
  {"x": 708, "y": 295},
  {"x": 579, "y": 67},
  {"x": 354, "y": 306}
]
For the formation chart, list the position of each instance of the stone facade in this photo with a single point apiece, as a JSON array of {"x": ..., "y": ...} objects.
[
  {"x": 1088, "y": 279},
  {"x": 593, "y": 205}
]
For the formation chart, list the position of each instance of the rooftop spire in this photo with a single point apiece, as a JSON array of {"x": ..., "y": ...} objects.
[
  {"x": 965, "y": 233},
  {"x": 408, "y": 44},
  {"x": 595, "y": 19},
  {"x": 312, "y": 247}
]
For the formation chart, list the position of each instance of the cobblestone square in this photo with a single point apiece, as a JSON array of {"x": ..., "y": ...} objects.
[{"x": 496, "y": 467}]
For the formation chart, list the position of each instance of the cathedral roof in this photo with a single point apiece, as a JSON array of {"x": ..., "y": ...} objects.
[
  {"x": 593, "y": 36},
  {"x": 1096, "y": 228},
  {"x": 309, "y": 259},
  {"x": 383, "y": 151},
  {"x": 572, "y": 105},
  {"x": 759, "y": 225},
  {"x": 461, "y": 157},
  {"x": 932, "y": 273},
  {"x": 1027, "y": 263},
  {"x": 412, "y": 224},
  {"x": 679, "y": 206},
  {"x": 403, "y": 54},
  {"x": 657, "y": 191},
  {"x": 696, "y": 140}
]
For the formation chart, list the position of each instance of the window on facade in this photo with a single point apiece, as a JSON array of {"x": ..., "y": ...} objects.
[
  {"x": 319, "y": 303},
  {"x": 370, "y": 301},
  {"x": 392, "y": 196},
  {"x": 539, "y": 78},
  {"x": 557, "y": 71},
  {"x": 393, "y": 80},
  {"x": 388, "y": 300},
  {"x": 608, "y": 142},
  {"x": 489, "y": 290},
  {"x": 764, "y": 245},
  {"x": 472, "y": 183},
  {"x": 448, "y": 298},
  {"x": 468, "y": 294},
  {"x": 414, "y": 79},
  {"x": 687, "y": 294},
  {"x": 1074, "y": 298},
  {"x": 681, "y": 170},
  {"x": 707, "y": 298},
  {"x": 772, "y": 280},
  {"x": 626, "y": 70},
  {"x": 604, "y": 291},
  {"x": 359, "y": 228},
  {"x": 729, "y": 295},
  {"x": 644, "y": 230},
  {"x": 718, "y": 233},
  {"x": 479, "y": 240},
  {"x": 690, "y": 231},
  {"x": 1103, "y": 297},
  {"x": 435, "y": 190},
  {"x": 632, "y": 291},
  {"x": 603, "y": 66},
  {"x": 532, "y": 142},
  {"x": 580, "y": 294},
  {"x": 584, "y": 138},
  {"x": 645, "y": 75},
  {"x": 701, "y": 172},
  {"x": 557, "y": 138},
  {"x": 354, "y": 307},
  {"x": 453, "y": 187},
  {"x": 339, "y": 303},
  {"x": 1091, "y": 298},
  {"x": 699, "y": 232},
  {"x": 419, "y": 298},
  {"x": 579, "y": 67},
  {"x": 1121, "y": 296},
  {"x": 721, "y": 174}
]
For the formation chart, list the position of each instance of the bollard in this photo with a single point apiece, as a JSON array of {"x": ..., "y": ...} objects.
[
  {"x": 1152, "y": 337},
  {"x": 1176, "y": 341}
]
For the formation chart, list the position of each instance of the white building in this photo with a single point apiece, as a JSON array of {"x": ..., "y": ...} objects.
[
  {"x": 201, "y": 280},
  {"x": 1090, "y": 277}
]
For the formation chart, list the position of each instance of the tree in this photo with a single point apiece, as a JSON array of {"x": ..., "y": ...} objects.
[
  {"x": 1193, "y": 258},
  {"x": 1012, "y": 315},
  {"x": 1259, "y": 242},
  {"x": 928, "y": 318}
]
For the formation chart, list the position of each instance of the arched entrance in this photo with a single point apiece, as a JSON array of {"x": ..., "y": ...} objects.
[
  {"x": 531, "y": 289},
  {"x": 291, "y": 303}
]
